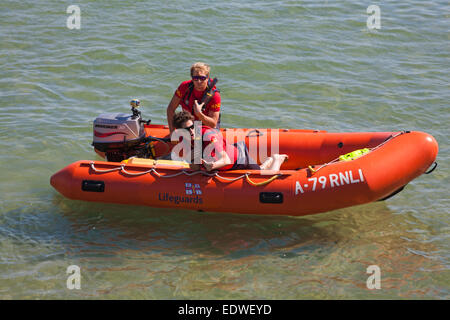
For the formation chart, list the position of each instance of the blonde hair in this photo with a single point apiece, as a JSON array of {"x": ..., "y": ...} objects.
[{"x": 200, "y": 66}]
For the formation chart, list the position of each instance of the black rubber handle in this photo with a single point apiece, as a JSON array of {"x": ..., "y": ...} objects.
[{"x": 432, "y": 169}]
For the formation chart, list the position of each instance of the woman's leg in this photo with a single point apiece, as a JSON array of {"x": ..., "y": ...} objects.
[
  {"x": 266, "y": 164},
  {"x": 278, "y": 160}
]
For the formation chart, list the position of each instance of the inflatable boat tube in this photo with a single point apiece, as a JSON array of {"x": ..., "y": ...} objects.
[{"x": 325, "y": 171}]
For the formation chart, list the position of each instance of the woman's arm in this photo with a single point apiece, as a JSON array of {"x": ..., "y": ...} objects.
[{"x": 223, "y": 161}]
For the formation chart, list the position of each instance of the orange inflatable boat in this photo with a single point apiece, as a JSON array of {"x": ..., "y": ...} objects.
[{"x": 325, "y": 171}]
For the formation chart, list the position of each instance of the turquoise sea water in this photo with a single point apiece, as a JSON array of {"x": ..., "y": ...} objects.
[{"x": 280, "y": 64}]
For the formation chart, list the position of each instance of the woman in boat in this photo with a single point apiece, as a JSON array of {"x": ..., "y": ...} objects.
[
  {"x": 219, "y": 155},
  {"x": 199, "y": 96}
]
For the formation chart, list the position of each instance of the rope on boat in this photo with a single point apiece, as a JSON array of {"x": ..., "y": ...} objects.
[
  {"x": 388, "y": 139},
  {"x": 313, "y": 171},
  {"x": 263, "y": 182},
  {"x": 215, "y": 174},
  {"x": 105, "y": 171}
]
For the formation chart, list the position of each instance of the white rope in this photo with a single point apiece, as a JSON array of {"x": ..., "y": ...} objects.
[
  {"x": 390, "y": 138},
  {"x": 104, "y": 171},
  {"x": 136, "y": 174},
  {"x": 229, "y": 179},
  {"x": 371, "y": 149},
  {"x": 326, "y": 164},
  {"x": 168, "y": 175},
  {"x": 122, "y": 168}
]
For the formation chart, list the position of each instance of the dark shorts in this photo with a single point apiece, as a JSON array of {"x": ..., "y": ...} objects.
[{"x": 244, "y": 161}]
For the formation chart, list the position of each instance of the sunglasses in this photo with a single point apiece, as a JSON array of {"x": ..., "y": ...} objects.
[
  {"x": 201, "y": 78},
  {"x": 189, "y": 128}
]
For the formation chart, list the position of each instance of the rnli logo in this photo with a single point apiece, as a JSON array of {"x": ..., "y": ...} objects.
[{"x": 192, "y": 188}]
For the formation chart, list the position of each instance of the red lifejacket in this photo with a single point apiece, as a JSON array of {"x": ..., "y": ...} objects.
[
  {"x": 187, "y": 101},
  {"x": 214, "y": 137}
]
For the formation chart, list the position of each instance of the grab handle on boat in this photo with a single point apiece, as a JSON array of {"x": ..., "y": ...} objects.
[
  {"x": 257, "y": 184},
  {"x": 432, "y": 169},
  {"x": 258, "y": 133}
]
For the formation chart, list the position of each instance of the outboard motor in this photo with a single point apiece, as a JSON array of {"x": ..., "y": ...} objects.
[{"x": 121, "y": 136}]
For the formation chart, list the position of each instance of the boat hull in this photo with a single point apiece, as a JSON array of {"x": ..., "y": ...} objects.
[{"x": 309, "y": 182}]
